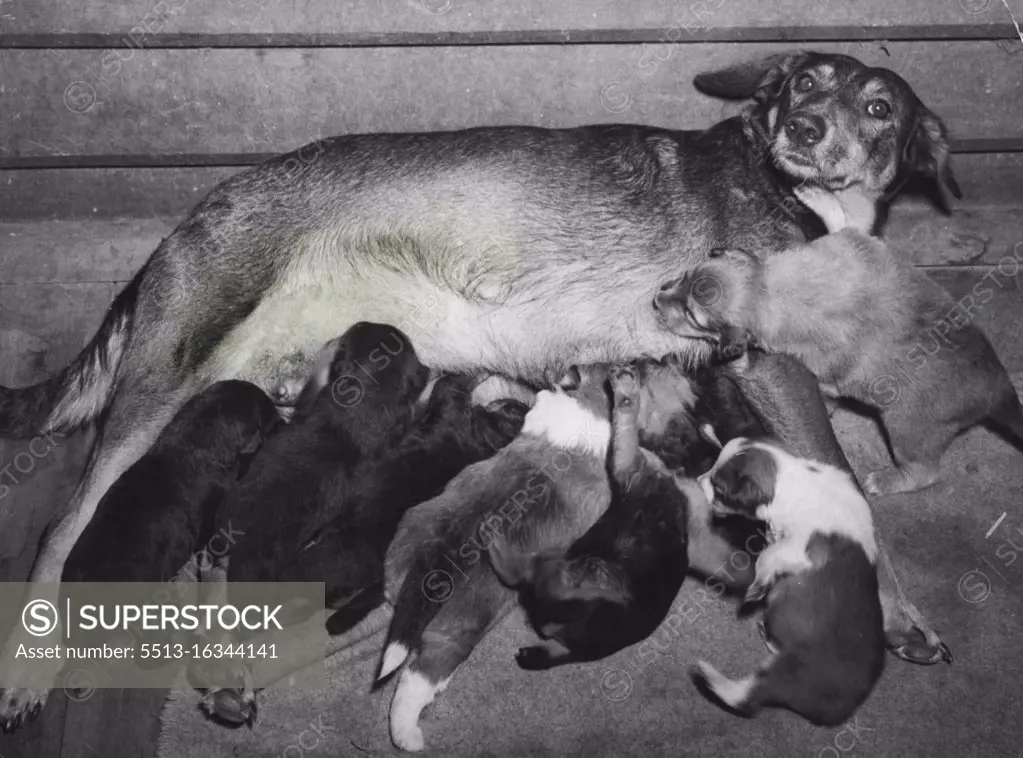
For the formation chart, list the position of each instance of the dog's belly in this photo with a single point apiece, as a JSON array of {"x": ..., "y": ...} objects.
[{"x": 524, "y": 329}]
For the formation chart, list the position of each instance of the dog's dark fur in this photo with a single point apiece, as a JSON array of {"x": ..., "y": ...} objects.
[
  {"x": 822, "y": 619},
  {"x": 542, "y": 491},
  {"x": 504, "y": 228},
  {"x": 325, "y": 496},
  {"x": 615, "y": 584},
  {"x": 163, "y": 508}
]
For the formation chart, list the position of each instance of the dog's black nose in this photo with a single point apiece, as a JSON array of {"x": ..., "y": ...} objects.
[{"x": 805, "y": 129}]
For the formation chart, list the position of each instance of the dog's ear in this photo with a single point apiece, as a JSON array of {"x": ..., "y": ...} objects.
[
  {"x": 760, "y": 80},
  {"x": 927, "y": 152}
]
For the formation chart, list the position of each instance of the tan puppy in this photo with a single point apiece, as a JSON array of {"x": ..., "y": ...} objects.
[{"x": 870, "y": 326}]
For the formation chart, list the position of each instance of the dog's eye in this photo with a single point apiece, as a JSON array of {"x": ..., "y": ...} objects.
[
  {"x": 804, "y": 83},
  {"x": 878, "y": 109}
]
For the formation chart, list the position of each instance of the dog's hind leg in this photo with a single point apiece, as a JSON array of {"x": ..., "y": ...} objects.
[
  {"x": 910, "y": 636},
  {"x": 448, "y": 641},
  {"x": 136, "y": 414}
]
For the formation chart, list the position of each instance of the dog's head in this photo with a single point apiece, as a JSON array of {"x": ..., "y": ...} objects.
[
  {"x": 742, "y": 482},
  {"x": 833, "y": 121}
]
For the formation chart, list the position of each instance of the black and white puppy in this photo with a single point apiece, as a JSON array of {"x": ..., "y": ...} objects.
[
  {"x": 823, "y": 619},
  {"x": 162, "y": 509},
  {"x": 615, "y": 585},
  {"x": 543, "y": 491},
  {"x": 323, "y": 499}
]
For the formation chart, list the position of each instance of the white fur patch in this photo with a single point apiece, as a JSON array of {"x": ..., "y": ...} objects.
[
  {"x": 732, "y": 692},
  {"x": 809, "y": 497},
  {"x": 565, "y": 422},
  {"x": 413, "y": 694},
  {"x": 394, "y": 656}
]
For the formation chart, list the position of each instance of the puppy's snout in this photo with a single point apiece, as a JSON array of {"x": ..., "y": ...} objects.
[{"x": 805, "y": 129}]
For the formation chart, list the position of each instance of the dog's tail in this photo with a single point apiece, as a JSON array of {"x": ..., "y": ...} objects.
[{"x": 79, "y": 393}]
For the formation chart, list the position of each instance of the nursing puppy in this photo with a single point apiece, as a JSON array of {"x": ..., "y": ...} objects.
[
  {"x": 163, "y": 508},
  {"x": 890, "y": 337},
  {"x": 324, "y": 498},
  {"x": 615, "y": 585},
  {"x": 771, "y": 396},
  {"x": 544, "y": 490},
  {"x": 823, "y": 620}
]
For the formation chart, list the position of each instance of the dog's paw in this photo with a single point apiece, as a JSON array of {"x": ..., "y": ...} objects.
[
  {"x": 918, "y": 645},
  {"x": 409, "y": 739},
  {"x": 892, "y": 481},
  {"x": 625, "y": 384},
  {"x": 756, "y": 592},
  {"x": 230, "y": 707},
  {"x": 19, "y": 707},
  {"x": 533, "y": 658}
]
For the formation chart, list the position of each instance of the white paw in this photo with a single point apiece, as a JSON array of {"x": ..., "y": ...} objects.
[{"x": 409, "y": 738}]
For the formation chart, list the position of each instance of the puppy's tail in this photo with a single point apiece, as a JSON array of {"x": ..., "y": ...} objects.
[
  {"x": 786, "y": 680},
  {"x": 79, "y": 393},
  {"x": 736, "y": 695}
]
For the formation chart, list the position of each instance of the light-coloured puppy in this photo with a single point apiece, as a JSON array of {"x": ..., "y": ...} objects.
[
  {"x": 870, "y": 325},
  {"x": 823, "y": 620}
]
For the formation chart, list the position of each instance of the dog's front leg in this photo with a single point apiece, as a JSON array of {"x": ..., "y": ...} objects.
[
  {"x": 133, "y": 421},
  {"x": 776, "y": 560}
]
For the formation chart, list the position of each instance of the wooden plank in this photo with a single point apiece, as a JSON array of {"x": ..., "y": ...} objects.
[
  {"x": 994, "y": 179},
  {"x": 104, "y": 193},
  {"x": 166, "y": 102},
  {"x": 226, "y": 160},
  {"x": 569, "y": 18}
]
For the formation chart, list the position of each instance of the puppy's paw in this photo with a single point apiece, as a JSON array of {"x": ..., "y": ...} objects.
[
  {"x": 756, "y": 592},
  {"x": 625, "y": 384},
  {"x": 892, "y": 481},
  {"x": 19, "y": 707},
  {"x": 534, "y": 658},
  {"x": 410, "y": 739}
]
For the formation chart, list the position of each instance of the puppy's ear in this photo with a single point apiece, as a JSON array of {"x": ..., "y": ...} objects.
[
  {"x": 927, "y": 152},
  {"x": 570, "y": 380},
  {"x": 760, "y": 80},
  {"x": 745, "y": 482}
]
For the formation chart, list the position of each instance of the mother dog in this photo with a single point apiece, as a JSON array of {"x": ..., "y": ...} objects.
[{"x": 518, "y": 250}]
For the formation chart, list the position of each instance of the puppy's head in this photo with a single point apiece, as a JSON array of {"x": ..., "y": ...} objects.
[
  {"x": 376, "y": 368},
  {"x": 742, "y": 481},
  {"x": 227, "y": 424},
  {"x": 706, "y": 302},
  {"x": 832, "y": 120}
]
